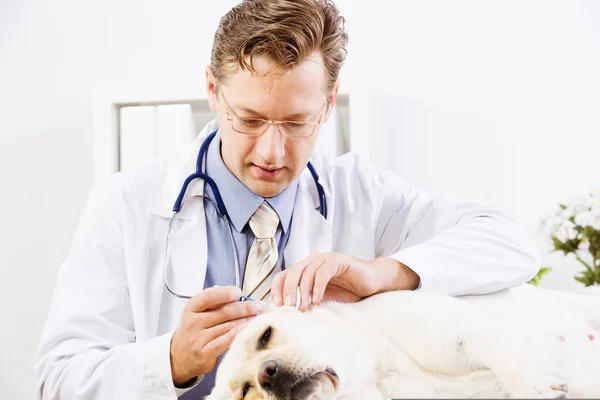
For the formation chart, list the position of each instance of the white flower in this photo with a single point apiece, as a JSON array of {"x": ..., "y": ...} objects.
[
  {"x": 566, "y": 231},
  {"x": 596, "y": 222},
  {"x": 588, "y": 218},
  {"x": 584, "y": 210},
  {"x": 584, "y": 218},
  {"x": 595, "y": 208},
  {"x": 579, "y": 204},
  {"x": 551, "y": 224},
  {"x": 584, "y": 246}
]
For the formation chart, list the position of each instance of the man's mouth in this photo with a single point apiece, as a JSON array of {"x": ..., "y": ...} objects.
[
  {"x": 268, "y": 168},
  {"x": 267, "y": 172}
]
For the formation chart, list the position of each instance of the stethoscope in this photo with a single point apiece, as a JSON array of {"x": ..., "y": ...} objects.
[{"x": 221, "y": 211}]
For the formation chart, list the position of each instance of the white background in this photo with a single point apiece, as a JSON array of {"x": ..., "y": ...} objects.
[{"x": 495, "y": 100}]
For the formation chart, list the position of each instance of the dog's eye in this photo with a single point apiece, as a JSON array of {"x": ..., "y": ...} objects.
[
  {"x": 245, "y": 389},
  {"x": 264, "y": 339}
]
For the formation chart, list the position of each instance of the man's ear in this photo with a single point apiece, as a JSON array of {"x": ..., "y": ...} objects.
[
  {"x": 331, "y": 101},
  {"x": 211, "y": 88}
]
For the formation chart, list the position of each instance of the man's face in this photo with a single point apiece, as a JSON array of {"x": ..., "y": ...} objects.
[{"x": 269, "y": 162}]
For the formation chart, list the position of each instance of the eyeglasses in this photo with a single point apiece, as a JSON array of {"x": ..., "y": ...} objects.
[{"x": 258, "y": 126}]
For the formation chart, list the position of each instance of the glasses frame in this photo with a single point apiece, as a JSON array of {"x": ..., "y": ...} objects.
[{"x": 270, "y": 122}]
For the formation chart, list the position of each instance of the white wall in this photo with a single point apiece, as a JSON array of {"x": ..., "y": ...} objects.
[
  {"x": 509, "y": 88},
  {"x": 493, "y": 100}
]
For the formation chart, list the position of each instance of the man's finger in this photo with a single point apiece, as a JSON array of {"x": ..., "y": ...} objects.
[
  {"x": 277, "y": 288},
  {"x": 222, "y": 342},
  {"x": 213, "y": 297},
  {"x": 217, "y": 331},
  {"x": 292, "y": 280},
  {"x": 322, "y": 277},
  {"x": 231, "y": 311},
  {"x": 307, "y": 282}
]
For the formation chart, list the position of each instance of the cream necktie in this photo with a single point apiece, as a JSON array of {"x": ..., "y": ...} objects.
[{"x": 262, "y": 259}]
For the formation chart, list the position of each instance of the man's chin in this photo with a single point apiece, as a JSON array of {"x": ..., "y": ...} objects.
[{"x": 266, "y": 189}]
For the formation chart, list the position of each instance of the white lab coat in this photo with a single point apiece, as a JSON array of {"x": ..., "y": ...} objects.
[{"x": 110, "y": 324}]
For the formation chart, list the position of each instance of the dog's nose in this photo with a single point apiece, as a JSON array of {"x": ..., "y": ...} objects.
[{"x": 267, "y": 375}]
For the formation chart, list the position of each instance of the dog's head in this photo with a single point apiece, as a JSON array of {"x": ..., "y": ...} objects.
[{"x": 283, "y": 354}]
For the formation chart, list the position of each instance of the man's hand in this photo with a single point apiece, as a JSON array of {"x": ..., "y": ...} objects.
[
  {"x": 208, "y": 325},
  {"x": 339, "y": 277}
]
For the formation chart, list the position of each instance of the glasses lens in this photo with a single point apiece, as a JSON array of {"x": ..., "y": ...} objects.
[
  {"x": 248, "y": 126},
  {"x": 297, "y": 129}
]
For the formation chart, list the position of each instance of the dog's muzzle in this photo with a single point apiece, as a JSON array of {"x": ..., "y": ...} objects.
[{"x": 285, "y": 383}]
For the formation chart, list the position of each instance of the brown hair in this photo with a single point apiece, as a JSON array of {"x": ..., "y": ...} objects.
[{"x": 286, "y": 31}]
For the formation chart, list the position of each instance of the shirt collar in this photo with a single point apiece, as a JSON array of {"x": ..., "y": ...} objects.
[{"x": 241, "y": 203}]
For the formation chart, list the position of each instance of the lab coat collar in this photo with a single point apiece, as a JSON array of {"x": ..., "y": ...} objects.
[{"x": 176, "y": 169}]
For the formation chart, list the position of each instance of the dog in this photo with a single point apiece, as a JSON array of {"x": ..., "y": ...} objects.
[{"x": 394, "y": 345}]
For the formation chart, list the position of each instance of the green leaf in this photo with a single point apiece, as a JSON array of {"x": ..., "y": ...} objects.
[
  {"x": 590, "y": 232},
  {"x": 568, "y": 246},
  {"x": 587, "y": 278},
  {"x": 536, "y": 279},
  {"x": 543, "y": 271}
]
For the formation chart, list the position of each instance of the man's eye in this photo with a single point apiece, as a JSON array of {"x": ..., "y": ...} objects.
[
  {"x": 296, "y": 125},
  {"x": 251, "y": 122},
  {"x": 264, "y": 339}
]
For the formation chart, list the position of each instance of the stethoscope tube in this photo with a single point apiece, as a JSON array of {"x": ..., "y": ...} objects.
[
  {"x": 168, "y": 249},
  {"x": 320, "y": 190},
  {"x": 221, "y": 210},
  {"x": 201, "y": 175}
]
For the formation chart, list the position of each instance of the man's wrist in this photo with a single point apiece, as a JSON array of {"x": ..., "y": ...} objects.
[
  {"x": 181, "y": 376},
  {"x": 181, "y": 379},
  {"x": 395, "y": 276}
]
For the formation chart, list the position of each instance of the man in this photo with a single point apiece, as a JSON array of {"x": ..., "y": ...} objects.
[{"x": 115, "y": 329}]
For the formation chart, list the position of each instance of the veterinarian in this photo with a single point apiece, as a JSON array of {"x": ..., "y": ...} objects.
[{"x": 146, "y": 302}]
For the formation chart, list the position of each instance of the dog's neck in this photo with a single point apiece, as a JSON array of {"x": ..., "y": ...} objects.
[{"x": 366, "y": 356}]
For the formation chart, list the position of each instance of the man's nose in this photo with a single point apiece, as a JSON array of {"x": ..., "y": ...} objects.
[
  {"x": 270, "y": 376},
  {"x": 270, "y": 145}
]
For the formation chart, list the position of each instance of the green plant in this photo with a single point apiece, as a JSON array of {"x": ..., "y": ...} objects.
[
  {"x": 575, "y": 229},
  {"x": 536, "y": 279}
]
